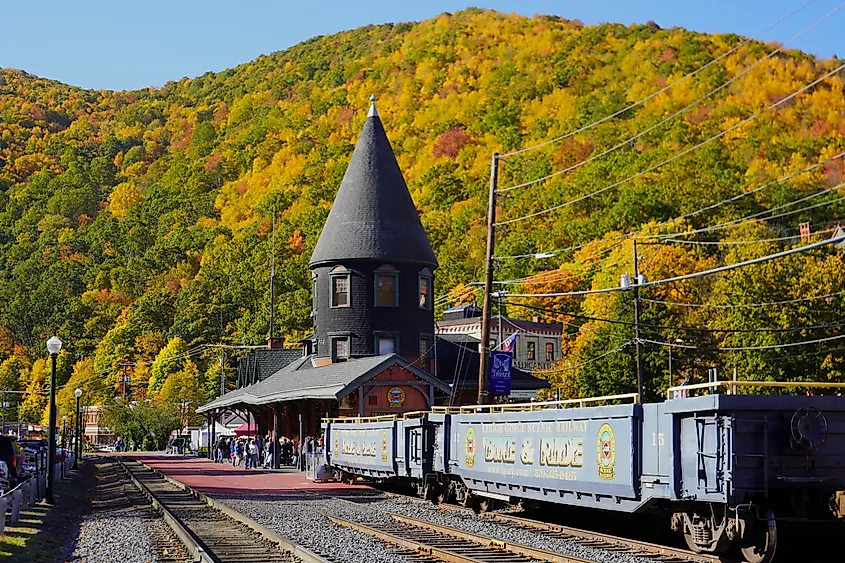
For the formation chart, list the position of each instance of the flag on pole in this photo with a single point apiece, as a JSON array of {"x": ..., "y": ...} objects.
[{"x": 507, "y": 344}]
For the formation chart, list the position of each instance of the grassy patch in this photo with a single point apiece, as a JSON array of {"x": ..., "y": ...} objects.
[{"x": 43, "y": 530}]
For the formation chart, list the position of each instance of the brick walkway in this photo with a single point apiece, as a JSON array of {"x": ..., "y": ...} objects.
[{"x": 222, "y": 479}]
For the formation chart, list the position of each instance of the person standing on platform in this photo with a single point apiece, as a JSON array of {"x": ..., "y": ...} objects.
[
  {"x": 239, "y": 453},
  {"x": 253, "y": 454}
]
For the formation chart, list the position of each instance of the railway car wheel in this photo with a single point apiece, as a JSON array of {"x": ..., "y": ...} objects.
[
  {"x": 763, "y": 542},
  {"x": 442, "y": 496}
]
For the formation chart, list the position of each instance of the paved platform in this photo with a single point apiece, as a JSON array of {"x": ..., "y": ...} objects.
[{"x": 222, "y": 479}]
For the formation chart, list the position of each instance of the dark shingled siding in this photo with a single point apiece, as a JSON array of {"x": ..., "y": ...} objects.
[{"x": 363, "y": 319}]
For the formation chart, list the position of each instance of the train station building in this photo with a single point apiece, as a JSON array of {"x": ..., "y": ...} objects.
[{"x": 373, "y": 350}]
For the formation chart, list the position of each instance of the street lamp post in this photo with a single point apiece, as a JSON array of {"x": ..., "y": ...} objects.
[
  {"x": 78, "y": 431},
  {"x": 54, "y": 345},
  {"x": 64, "y": 431}
]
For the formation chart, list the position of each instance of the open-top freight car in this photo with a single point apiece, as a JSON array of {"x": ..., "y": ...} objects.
[{"x": 723, "y": 468}]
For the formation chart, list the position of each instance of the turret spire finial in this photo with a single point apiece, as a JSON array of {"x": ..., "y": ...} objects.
[{"x": 373, "y": 111}]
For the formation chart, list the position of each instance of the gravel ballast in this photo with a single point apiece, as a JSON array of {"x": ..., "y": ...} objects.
[
  {"x": 117, "y": 528},
  {"x": 300, "y": 518}
]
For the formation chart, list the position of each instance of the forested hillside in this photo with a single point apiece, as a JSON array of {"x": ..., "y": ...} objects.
[{"x": 135, "y": 225}]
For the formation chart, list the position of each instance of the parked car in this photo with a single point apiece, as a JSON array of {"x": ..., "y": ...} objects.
[
  {"x": 12, "y": 455},
  {"x": 5, "y": 483}
]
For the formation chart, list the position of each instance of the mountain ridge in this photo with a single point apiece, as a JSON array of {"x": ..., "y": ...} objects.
[{"x": 131, "y": 219}]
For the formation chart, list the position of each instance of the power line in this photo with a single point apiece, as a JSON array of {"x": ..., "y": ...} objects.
[
  {"x": 678, "y": 155},
  {"x": 662, "y": 90},
  {"x": 749, "y": 305},
  {"x": 674, "y": 115},
  {"x": 590, "y": 361},
  {"x": 693, "y": 275},
  {"x": 837, "y": 324},
  {"x": 745, "y": 348},
  {"x": 691, "y": 213},
  {"x": 760, "y": 214},
  {"x": 738, "y": 242}
]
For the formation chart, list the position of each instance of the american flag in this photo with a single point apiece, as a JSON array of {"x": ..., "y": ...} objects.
[{"x": 507, "y": 345}]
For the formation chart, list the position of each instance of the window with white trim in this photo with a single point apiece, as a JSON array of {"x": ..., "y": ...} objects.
[
  {"x": 424, "y": 288},
  {"x": 387, "y": 287},
  {"x": 339, "y": 287},
  {"x": 387, "y": 345},
  {"x": 340, "y": 348}
]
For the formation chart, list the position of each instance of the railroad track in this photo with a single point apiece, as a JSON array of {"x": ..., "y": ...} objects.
[
  {"x": 606, "y": 542},
  {"x": 117, "y": 494},
  {"x": 212, "y": 533},
  {"x": 440, "y": 543}
]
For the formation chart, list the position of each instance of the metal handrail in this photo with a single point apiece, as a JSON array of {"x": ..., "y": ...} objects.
[
  {"x": 510, "y": 407},
  {"x": 732, "y": 385},
  {"x": 535, "y": 406},
  {"x": 380, "y": 418}
]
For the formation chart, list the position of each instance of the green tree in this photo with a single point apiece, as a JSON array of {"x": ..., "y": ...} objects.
[{"x": 172, "y": 359}]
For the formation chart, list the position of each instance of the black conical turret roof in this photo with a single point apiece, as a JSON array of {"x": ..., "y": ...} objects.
[{"x": 373, "y": 216}]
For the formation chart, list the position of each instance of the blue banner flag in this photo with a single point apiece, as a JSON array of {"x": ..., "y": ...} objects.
[{"x": 500, "y": 373}]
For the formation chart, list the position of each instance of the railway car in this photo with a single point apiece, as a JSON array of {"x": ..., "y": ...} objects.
[{"x": 723, "y": 468}]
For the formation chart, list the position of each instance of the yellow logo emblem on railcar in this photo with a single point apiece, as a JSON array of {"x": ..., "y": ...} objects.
[
  {"x": 469, "y": 447},
  {"x": 606, "y": 452},
  {"x": 336, "y": 447},
  {"x": 384, "y": 445}
]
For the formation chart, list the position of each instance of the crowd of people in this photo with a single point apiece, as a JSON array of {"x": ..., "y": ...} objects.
[{"x": 257, "y": 452}]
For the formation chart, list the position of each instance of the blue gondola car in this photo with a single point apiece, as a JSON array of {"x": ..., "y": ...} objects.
[{"x": 724, "y": 469}]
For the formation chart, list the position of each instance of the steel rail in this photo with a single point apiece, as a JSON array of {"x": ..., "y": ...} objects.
[
  {"x": 608, "y": 542},
  {"x": 518, "y": 549},
  {"x": 302, "y": 553},
  {"x": 187, "y": 538},
  {"x": 596, "y": 540},
  {"x": 205, "y": 544},
  {"x": 448, "y": 548}
]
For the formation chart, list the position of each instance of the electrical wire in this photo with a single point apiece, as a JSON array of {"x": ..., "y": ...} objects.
[
  {"x": 749, "y": 305},
  {"x": 837, "y": 324},
  {"x": 693, "y": 275},
  {"x": 680, "y": 154},
  {"x": 759, "y": 215},
  {"x": 687, "y": 215},
  {"x": 744, "y": 348},
  {"x": 662, "y": 90},
  {"x": 590, "y": 361},
  {"x": 738, "y": 242},
  {"x": 674, "y": 115}
]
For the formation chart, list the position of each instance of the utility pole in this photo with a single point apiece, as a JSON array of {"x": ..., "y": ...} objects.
[
  {"x": 124, "y": 379},
  {"x": 222, "y": 372},
  {"x": 484, "y": 363},
  {"x": 273, "y": 283},
  {"x": 637, "y": 324}
]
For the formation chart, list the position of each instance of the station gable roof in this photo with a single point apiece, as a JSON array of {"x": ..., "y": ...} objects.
[{"x": 302, "y": 380}]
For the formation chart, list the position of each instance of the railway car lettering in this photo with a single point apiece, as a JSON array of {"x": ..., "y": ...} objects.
[
  {"x": 358, "y": 449},
  {"x": 559, "y": 474},
  {"x": 657, "y": 438},
  {"x": 499, "y": 449},
  {"x": 562, "y": 451},
  {"x": 527, "y": 452}
]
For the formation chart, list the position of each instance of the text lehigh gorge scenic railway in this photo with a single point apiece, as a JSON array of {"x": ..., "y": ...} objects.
[{"x": 481, "y": 287}]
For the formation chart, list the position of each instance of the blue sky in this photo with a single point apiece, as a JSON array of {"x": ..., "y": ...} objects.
[{"x": 123, "y": 45}]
